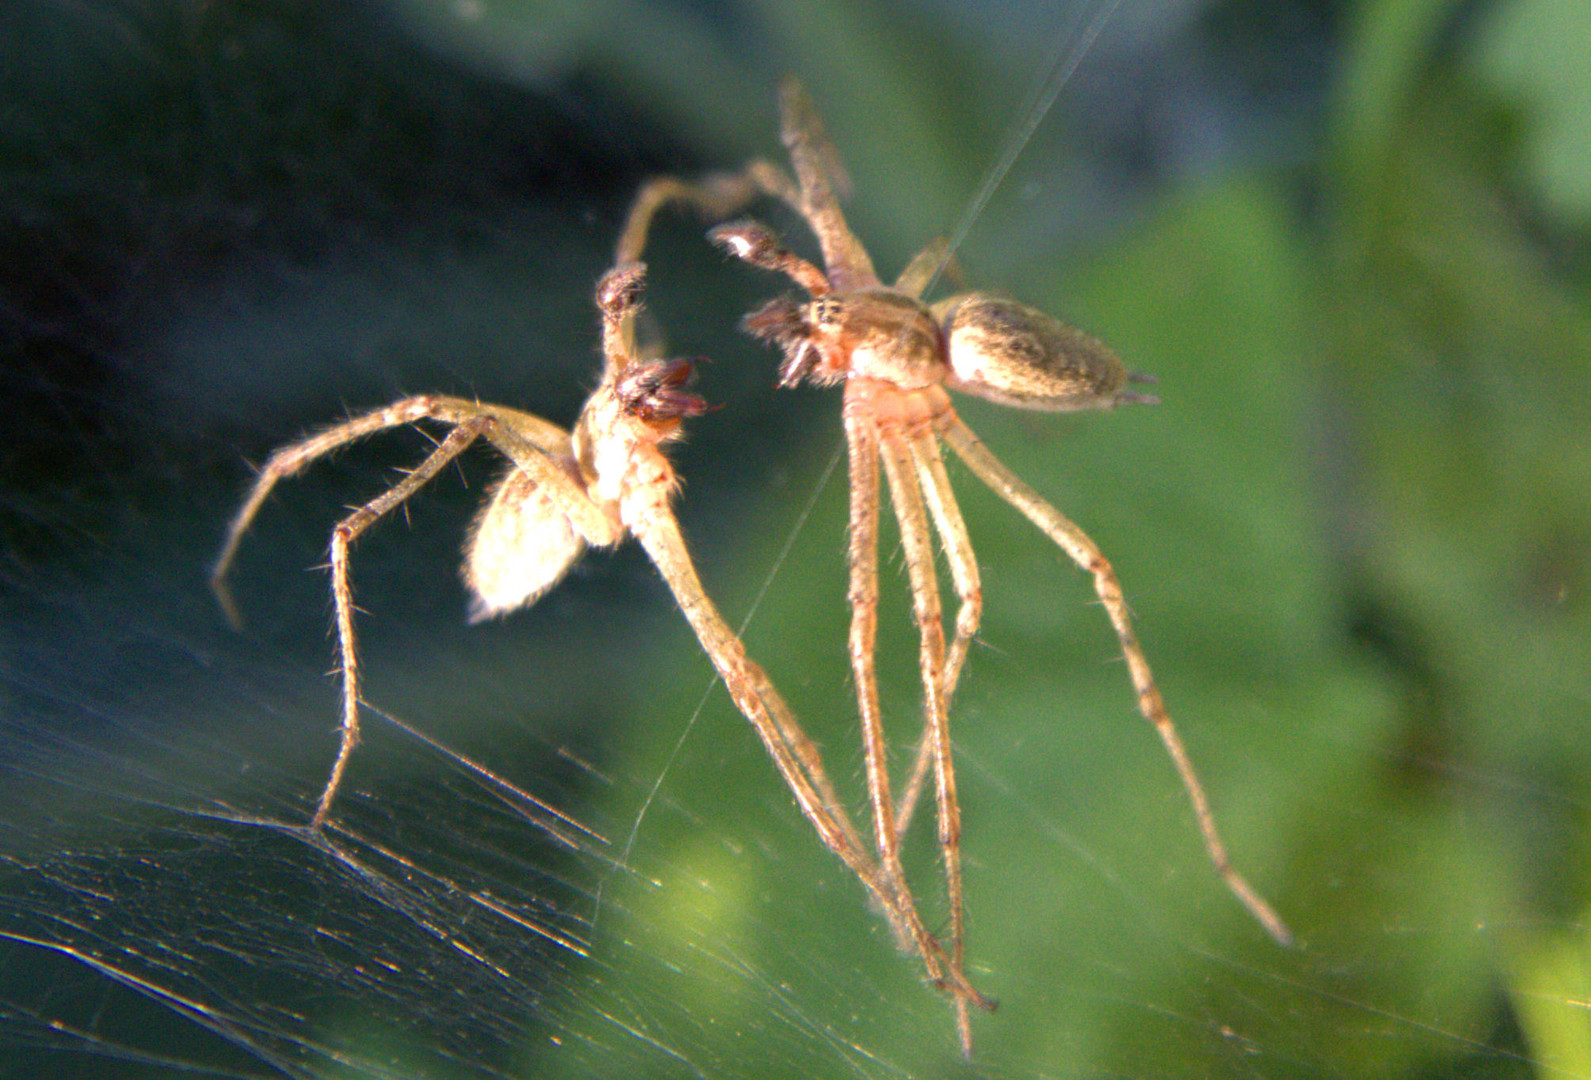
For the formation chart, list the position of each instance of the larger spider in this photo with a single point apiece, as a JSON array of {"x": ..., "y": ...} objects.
[
  {"x": 897, "y": 357},
  {"x": 604, "y": 481}
]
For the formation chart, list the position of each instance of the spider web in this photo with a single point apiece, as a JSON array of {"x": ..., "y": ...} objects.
[{"x": 1355, "y": 547}]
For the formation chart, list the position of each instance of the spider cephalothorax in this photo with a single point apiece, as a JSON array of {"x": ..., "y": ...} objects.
[
  {"x": 830, "y": 338},
  {"x": 976, "y": 343}
]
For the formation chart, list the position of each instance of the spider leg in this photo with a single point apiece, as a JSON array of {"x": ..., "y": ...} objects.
[
  {"x": 645, "y": 511},
  {"x": 524, "y": 438},
  {"x": 1086, "y": 554},
  {"x": 753, "y": 242},
  {"x": 957, "y": 544},
  {"x": 525, "y": 449},
  {"x": 927, "y": 265},
  {"x": 862, "y": 441},
  {"x": 342, "y": 537},
  {"x": 817, "y": 166},
  {"x": 861, "y": 436},
  {"x": 906, "y": 495},
  {"x": 716, "y": 196},
  {"x": 796, "y": 756},
  {"x": 793, "y": 753}
]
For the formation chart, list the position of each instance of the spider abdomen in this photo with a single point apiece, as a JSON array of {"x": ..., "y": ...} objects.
[
  {"x": 1013, "y": 354},
  {"x": 520, "y": 545}
]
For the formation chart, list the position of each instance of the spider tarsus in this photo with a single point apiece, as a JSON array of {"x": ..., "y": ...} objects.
[
  {"x": 1257, "y": 906},
  {"x": 753, "y": 242},
  {"x": 750, "y": 241},
  {"x": 227, "y": 603},
  {"x": 619, "y": 290}
]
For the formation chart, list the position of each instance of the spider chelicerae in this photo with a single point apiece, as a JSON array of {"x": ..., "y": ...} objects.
[{"x": 609, "y": 479}]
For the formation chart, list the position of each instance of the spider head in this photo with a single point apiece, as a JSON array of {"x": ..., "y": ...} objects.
[
  {"x": 874, "y": 334},
  {"x": 653, "y": 392}
]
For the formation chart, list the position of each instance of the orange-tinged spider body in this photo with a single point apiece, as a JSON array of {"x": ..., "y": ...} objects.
[{"x": 979, "y": 344}]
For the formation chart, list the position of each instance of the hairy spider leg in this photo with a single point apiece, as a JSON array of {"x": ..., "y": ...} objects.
[
  {"x": 1086, "y": 554},
  {"x": 720, "y": 195},
  {"x": 525, "y": 439}
]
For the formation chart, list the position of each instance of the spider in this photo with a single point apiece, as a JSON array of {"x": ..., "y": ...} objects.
[
  {"x": 897, "y": 357},
  {"x": 604, "y": 481}
]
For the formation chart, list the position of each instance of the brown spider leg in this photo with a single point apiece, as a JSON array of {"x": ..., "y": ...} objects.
[
  {"x": 617, "y": 345},
  {"x": 529, "y": 455},
  {"x": 527, "y": 440},
  {"x": 716, "y": 196},
  {"x": 907, "y": 498},
  {"x": 925, "y": 266},
  {"x": 753, "y": 242},
  {"x": 817, "y": 164},
  {"x": 861, "y": 436},
  {"x": 957, "y": 544},
  {"x": 1083, "y": 551},
  {"x": 863, "y": 447},
  {"x": 657, "y": 530},
  {"x": 655, "y": 526},
  {"x": 793, "y": 751},
  {"x": 342, "y": 537}
]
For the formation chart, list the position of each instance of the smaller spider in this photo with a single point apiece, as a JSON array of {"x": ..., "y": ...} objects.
[
  {"x": 897, "y": 357},
  {"x": 594, "y": 486}
]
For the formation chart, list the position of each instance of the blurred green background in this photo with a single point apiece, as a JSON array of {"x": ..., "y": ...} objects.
[{"x": 1348, "y": 238}]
